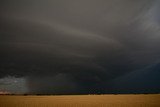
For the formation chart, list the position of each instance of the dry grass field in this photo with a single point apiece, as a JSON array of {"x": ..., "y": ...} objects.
[{"x": 150, "y": 100}]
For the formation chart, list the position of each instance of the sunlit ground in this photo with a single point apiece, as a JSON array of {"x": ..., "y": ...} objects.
[{"x": 148, "y": 100}]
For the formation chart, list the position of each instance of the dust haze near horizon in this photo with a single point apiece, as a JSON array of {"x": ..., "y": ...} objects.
[{"x": 81, "y": 47}]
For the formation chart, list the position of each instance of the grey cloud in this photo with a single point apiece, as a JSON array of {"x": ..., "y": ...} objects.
[
  {"x": 80, "y": 45},
  {"x": 145, "y": 80},
  {"x": 58, "y": 84}
]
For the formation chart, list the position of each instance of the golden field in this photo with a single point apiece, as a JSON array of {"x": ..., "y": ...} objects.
[{"x": 148, "y": 100}]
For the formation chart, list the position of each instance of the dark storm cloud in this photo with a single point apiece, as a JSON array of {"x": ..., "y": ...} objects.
[
  {"x": 73, "y": 46},
  {"x": 138, "y": 81}
]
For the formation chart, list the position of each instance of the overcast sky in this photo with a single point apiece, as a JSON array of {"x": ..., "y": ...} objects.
[{"x": 80, "y": 46}]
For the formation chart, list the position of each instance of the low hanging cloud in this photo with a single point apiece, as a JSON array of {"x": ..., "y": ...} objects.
[{"x": 77, "y": 47}]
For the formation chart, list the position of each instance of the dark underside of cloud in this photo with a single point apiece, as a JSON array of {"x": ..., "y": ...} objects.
[{"x": 81, "y": 47}]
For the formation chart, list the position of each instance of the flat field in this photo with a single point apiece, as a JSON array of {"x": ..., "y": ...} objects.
[{"x": 148, "y": 100}]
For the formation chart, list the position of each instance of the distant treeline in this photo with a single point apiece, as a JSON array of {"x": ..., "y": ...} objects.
[{"x": 73, "y": 94}]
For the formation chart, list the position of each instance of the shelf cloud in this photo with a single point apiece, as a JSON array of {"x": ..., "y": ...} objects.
[{"x": 79, "y": 47}]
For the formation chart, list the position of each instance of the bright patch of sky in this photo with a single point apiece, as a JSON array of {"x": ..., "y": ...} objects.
[{"x": 13, "y": 85}]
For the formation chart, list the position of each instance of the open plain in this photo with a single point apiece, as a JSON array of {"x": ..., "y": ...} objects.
[{"x": 139, "y": 100}]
